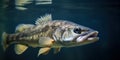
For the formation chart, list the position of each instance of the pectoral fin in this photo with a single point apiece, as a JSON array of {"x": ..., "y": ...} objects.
[
  {"x": 56, "y": 50},
  {"x": 46, "y": 41},
  {"x": 44, "y": 51},
  {"x": 19, "y": 49}
]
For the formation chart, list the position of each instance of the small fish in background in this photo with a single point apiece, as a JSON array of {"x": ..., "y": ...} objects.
[
  {"x": 47, "y": 33},
  {"x": 40, "y": 2},
  {"x": 21, "y": 3}
]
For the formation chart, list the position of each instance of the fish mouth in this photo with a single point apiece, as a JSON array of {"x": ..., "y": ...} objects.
[{"x": 88, "y": 37}]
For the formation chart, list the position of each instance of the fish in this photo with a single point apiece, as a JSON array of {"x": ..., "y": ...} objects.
[
  {"x": 48, "y": 34},
  {"x": 20, "y": 4}
]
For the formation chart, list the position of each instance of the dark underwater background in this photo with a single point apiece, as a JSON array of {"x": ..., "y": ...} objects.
[{"x": 101, "y": 15}]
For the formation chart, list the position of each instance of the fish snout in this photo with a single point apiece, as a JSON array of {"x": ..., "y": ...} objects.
[{"x": 88, "y": 37}]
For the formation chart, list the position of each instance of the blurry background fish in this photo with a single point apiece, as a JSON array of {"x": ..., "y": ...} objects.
[{"x": 20, "y": 4}]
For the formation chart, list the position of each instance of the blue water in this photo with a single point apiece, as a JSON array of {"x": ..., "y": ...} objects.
[{"x": 101, "y": 15}]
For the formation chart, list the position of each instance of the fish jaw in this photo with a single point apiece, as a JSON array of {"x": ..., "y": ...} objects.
[{"x": 87, "y": 38}]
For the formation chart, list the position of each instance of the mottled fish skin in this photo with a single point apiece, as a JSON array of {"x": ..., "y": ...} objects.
[
  {"x": 48, "y": 33},
  {"x": 32, "y": 35}
]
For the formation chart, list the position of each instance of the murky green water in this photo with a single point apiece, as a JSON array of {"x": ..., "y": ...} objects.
[{"x": 99, "y": 15}]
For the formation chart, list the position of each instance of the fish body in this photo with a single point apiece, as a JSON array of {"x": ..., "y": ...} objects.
[{"x": 47, "y": 33}]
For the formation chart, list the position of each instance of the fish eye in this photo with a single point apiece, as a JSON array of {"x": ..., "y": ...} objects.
[{"x": 77, "y": 30}]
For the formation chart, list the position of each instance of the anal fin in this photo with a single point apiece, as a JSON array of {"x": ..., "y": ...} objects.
[{"x": 19, "y": 48}]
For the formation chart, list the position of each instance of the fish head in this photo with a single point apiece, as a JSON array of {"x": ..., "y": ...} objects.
[{"x": 71, "y": 34}]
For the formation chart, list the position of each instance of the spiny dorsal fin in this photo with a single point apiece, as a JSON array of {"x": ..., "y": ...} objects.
[
  {"x": 43, "y": 19},
  {"x": 19, "y": 48},
  {"x": 22, "y": 27}
]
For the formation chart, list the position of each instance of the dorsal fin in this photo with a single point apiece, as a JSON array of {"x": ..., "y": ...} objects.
[
  {"x": 22, "y": 27},
  {"x": 43, "y": 19}
]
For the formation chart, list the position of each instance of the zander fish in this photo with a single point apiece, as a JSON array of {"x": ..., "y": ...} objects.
[{"x": 47, "y": 33}]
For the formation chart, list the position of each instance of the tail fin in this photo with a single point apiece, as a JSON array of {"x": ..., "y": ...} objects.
[{"x": 4, "y": 43}]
